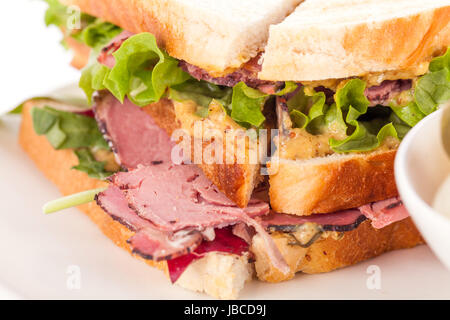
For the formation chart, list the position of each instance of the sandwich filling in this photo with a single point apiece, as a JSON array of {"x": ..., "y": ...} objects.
[{"x": 177, "y": 214}]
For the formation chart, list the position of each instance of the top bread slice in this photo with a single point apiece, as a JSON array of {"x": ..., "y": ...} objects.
[
  {"x": 218, "y": 36},
  {"x": 334, "y": 39}
]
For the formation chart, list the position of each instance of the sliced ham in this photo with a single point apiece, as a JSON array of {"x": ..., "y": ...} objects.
[
  {"x": 388, "y": 89},
  {"x": 386, "y": 212},
  {"x": 133, "y": 136},
  {"x": 149, "y": 241}
]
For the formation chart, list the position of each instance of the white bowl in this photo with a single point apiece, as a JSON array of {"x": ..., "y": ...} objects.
[{"x": 421, "y": 166}]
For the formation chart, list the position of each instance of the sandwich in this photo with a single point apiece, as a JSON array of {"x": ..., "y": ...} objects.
[{"x": 173, "y": 159}]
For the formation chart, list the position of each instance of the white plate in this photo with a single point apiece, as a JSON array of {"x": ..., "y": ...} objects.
[{"x": 41, "y": 255}]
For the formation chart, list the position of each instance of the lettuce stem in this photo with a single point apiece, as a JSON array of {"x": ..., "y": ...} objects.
[{"x": 71, "y": 201}]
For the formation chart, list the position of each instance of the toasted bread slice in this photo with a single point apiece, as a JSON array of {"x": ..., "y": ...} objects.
[
  {"x": 218, "y": 36},
  {"x": 329, "y": 184},
  {"x": 325, "y": 39}
]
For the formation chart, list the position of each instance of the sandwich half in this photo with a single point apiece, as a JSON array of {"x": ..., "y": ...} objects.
[{"x": 168, "y": 80}]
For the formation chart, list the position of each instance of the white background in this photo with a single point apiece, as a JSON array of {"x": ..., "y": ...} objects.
[
  {"x": 32, "y": 61},
  {"x": 36, "y": 249}
]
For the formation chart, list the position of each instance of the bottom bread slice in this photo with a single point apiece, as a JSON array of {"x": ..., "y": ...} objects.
[{"x": 219, "y": 275}]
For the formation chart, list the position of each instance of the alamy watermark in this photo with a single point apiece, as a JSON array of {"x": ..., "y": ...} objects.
[
  {"x": 204, "y": 144},
  {"x": 373, "y": 282},
  {"x": 73, "y": 281}
]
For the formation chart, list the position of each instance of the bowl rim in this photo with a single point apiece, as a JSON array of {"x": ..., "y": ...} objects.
[{"x": 408, "y": 193}]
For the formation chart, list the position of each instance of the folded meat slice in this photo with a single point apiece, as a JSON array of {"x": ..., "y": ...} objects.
[
  {"x": 134, "y": 136},
  {"x": 388, "y": 89},
  {"x": 149, "y": 241},
  {"x": 383, "y": 213},
  {"x": 180, "y": 197},
  {"x": 176, "y": 197}
]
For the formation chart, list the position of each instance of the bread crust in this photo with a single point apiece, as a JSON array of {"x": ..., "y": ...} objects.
[
  {"x": 332, "y": 183},
  {"x": 340, "y": 51},
  {"x": 357, "y": 245}
]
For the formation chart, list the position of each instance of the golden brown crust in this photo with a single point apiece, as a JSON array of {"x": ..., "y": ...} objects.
[
  {"x": 57, "y": 164},
  {"x": 426, "y": 33},
  {"x": 307, "y": 187},
  {"x": 236, "y": 181},
  {"x": 184, "y": 29},
  {"x": 329, "y": 254}
]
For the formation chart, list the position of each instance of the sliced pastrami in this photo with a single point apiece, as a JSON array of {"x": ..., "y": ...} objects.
[
  {"x": 170, "y": 197},
  {"x": 386, "y": 212},
  {"x": 149, "y": 242},
  {"x": 176, "y": 197},
  {"x": 341, "y": 221},
  {"x": 388, "y": 89},
  {"x": 133, "y": 135},
  {"x": 248, "y": 74},
  {"x": 381, "y": 214}
]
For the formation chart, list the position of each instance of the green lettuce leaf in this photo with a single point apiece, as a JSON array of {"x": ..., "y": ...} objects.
[
  {"x": 442, "y": 62},
  {"x": 142, "y": 71},
  {"x": 247, "y": 103},
  {"x": 433, "y": 88},
  {"x": 93, "y": 78},
  {"x": 56, "y": 13},
  {"x": 202, "y": 93},
  {"x": 365, "y": 135},
  {"x": 88, "y": 164},
  {"x": 306, "y": 106},
  {"x": 97, "y": 34},
  {"x": 410, "y": 114},
  {"x": 66, "y": 130},
  {"x": 93, "y": 32}
]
